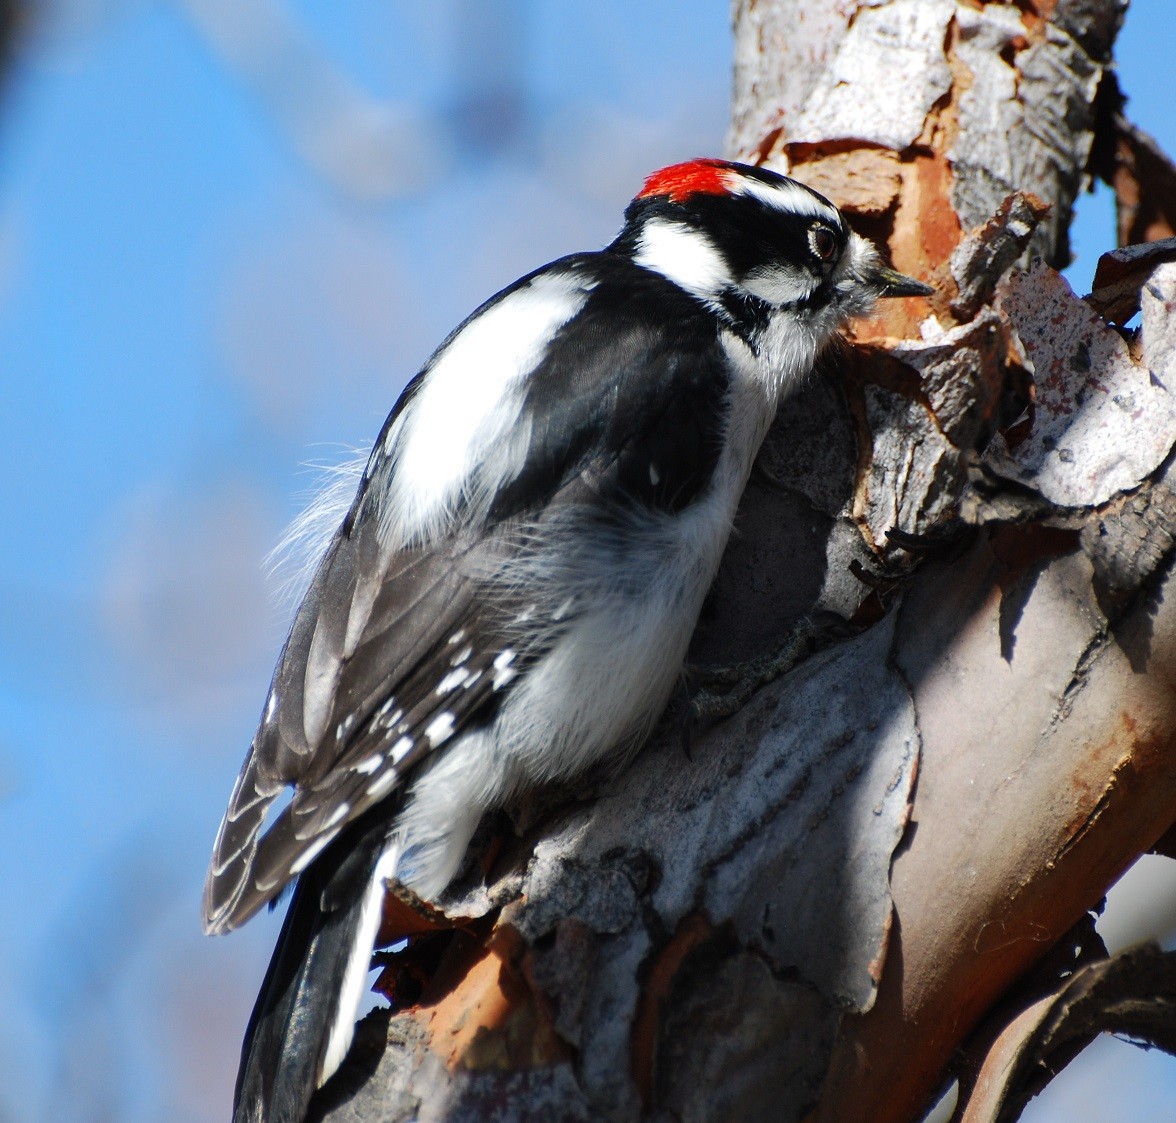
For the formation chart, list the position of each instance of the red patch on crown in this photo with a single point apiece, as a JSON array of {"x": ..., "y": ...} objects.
[{"x": 695, "y": 177}]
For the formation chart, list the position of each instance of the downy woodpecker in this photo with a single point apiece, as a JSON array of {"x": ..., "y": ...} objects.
[{"x": 510, "y": 596}]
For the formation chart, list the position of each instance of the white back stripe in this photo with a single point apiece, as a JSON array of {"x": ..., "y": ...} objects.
[{"x": 457, "y": 438}]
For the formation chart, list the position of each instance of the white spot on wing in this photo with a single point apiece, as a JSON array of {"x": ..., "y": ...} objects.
[
  {"x": 654, "y": 474},
  {"x": 440, "y": 729},
  {"x": 313, "y": 851},
  {"x": 502, "y": 678},
  {"x": 452, "y": 681},
  {"x": 503, "y": 672},
  {"x": 386, "y": 717},
  {"x": 383, "y": 783},
  {"x": 369, "y": 764},
  {"x": 400, "y": 749}
]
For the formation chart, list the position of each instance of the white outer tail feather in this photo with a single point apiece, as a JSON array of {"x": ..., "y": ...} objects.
[{"x": 342, "y": 1027}]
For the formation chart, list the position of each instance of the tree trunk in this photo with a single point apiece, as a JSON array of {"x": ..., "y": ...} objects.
[{"x": 883, "y": 861}]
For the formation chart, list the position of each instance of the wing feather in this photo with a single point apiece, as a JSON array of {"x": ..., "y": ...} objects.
[{"x": 425, "y": 600}]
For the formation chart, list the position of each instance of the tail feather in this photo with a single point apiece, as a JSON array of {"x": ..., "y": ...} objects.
[{"x": 304, "y": 1017}]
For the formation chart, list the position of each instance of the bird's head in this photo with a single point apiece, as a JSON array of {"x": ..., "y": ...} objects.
[{"x": 757, "y": 244}]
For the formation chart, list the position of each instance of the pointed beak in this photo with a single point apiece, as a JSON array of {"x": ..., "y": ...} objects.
[{"x": 889, "y": 282}]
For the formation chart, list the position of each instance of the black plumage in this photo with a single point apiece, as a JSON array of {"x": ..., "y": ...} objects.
[
  {"x": 281, "y": 1052},
  {"x": 635, "y": 381}
]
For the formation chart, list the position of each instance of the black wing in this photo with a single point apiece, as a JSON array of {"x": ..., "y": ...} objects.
[{"x": 392, "y": 653}]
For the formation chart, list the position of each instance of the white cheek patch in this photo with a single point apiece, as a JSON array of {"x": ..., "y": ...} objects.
[
  {"x": 458, "y": 439},
  {"x": 779, "y": 285},
  {"x": 685, "y": 256}
]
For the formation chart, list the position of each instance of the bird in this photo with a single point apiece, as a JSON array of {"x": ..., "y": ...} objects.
[{"x": 509, "y": 596}]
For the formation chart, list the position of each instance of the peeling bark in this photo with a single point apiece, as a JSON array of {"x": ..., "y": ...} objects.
[{"x": 972, "y": 516}]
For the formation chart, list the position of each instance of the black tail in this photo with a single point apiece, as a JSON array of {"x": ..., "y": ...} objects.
[{"x": 286, "y": 1039}]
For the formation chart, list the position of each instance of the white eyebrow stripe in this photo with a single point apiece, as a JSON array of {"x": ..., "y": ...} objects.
[
  {"x": 683, "y": 255},
  {"x": 787, "y": 196}
]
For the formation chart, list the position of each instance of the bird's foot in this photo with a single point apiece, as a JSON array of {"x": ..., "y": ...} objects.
[{"x": 720, "y": 691}]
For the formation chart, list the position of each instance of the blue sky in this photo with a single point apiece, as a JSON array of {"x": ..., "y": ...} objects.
[{"x": 209, "y": 277}]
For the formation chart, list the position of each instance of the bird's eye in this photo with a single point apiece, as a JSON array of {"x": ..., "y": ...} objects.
[{"x": 823, "y": 242}]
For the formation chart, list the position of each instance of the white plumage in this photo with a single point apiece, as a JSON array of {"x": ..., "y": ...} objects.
[{"x": 472, "y": 395}]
